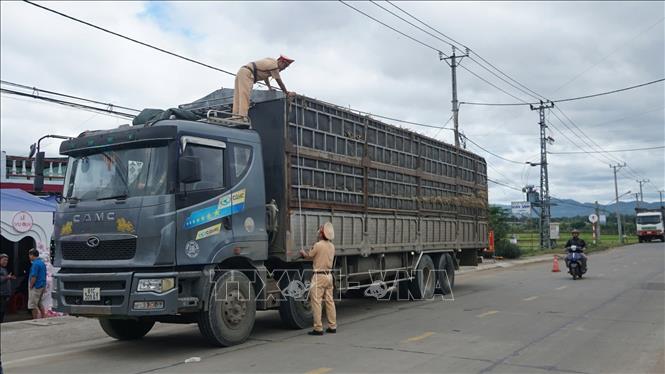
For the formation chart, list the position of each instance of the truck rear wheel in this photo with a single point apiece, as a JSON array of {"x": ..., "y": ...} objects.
[
  {"x": 231, "y": 312},
  {"x": 126, "y": 329},
  {"x": 424, "y": 282},
  {"x": 294, "y": 308},
  {"x": 445, "y": 273}
]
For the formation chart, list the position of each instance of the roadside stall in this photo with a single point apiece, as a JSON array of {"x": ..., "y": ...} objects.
[{"x": 26, "y": 222}]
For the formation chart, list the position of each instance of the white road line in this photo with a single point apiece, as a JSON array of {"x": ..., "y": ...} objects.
[
  {"x": 487, "y": 313},
  {"x": 561, "y": 288},
  {"x": 530, "y": 298}
]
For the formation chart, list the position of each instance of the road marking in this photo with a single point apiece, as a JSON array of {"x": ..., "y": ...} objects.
[
  {"x": 419, "y": 337},
  {"x": 319, "y": 371},
  {"x": 561, "y": 288},
  {"x": 530, "y": 298},
  {"x": 487, "y": 313}
]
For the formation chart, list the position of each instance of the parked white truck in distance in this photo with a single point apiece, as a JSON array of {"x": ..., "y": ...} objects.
[{"x": 649, "y": 223}]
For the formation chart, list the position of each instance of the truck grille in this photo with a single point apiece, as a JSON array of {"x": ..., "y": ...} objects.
[{"x": 123, "y": 249}]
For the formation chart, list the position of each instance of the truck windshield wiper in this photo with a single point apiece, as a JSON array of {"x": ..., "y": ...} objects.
[{"x": 119, "y": 197}]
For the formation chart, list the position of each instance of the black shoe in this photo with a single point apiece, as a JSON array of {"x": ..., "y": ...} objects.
[
  {"x": 314, "y": 332},
  {"x": 332, "y": 331}
]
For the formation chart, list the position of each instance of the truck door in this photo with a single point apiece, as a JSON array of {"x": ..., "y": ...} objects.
[{"x": 203, "y": 217}]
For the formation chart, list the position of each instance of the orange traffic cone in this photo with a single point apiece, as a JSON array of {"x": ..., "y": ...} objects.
[{"x": 555, "y": 264}]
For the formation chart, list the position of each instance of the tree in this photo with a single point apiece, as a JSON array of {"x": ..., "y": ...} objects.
[{"x": 498, "y": 222}]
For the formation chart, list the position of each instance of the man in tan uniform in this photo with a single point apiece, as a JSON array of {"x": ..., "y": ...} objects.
[
  {"x": 261, "y": 70},
  {"x": 322, "y": 255}
]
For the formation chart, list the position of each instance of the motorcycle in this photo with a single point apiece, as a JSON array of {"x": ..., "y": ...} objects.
[{"x": 576, "y": 267}]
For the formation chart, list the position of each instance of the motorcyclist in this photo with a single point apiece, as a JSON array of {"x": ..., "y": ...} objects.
[{"x": 581, "y": 245}]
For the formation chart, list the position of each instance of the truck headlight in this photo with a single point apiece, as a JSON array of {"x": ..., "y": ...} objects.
[{"x": 156, "y": 285}]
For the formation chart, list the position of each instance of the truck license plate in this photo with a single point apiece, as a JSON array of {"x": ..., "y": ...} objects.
[{"x": 91, "y": 294}]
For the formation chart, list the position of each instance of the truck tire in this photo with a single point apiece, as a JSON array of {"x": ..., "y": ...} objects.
[
  {"x": 231, "y": 312},
  {"x": 424, "y": 281},
  {"x": 126, "y": 329},
  {"x": 294, "y": 312},
  {"x": 445, "y": 274}
]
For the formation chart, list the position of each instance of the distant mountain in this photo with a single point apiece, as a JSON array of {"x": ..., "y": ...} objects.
[{"x": 572, "y": 208}]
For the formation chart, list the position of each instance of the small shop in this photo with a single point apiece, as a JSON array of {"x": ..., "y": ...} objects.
[{"x": 26, "y": 222}]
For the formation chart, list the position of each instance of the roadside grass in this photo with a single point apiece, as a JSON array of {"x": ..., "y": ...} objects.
[{"x": 530, "y": 246}]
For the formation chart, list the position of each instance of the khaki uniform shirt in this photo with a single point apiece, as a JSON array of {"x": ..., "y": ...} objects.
[
  {"x": 322, "y": 255},
  {"x": 265, "y": 68}
]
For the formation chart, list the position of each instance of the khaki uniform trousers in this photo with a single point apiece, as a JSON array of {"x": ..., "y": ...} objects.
[
  {"x": 242, "y": 91},
  {"x": 322, "y": 291}
]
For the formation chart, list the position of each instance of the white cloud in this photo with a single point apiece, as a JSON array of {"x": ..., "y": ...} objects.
[{"x": 345, "y": 58}]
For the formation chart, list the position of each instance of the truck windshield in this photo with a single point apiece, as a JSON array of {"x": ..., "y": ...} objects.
[
  {"x": 648, "y": 220},
  {"x": 118, "y": 173}
]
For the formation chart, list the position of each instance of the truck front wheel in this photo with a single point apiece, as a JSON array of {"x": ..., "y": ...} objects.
[
  {"x": 126, "y": 329},
  {"x": 229, "y": 318}
]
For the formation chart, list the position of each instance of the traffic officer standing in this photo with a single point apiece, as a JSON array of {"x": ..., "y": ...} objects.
[
  {"x": 321, "y": 289},
  {"x": 261, "y": 70}
]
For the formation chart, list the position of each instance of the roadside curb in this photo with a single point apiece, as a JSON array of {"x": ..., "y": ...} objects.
[{"x": 505, "y": 264}]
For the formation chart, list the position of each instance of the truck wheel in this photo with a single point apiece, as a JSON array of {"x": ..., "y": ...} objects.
[
  {"x": 294, "y": 308},
  {"x": 424, "y": 281},
  {"x": 445, "y": 274},
  {"x": 639, "y": 239},
  {"x": 231, "y": 310},
  {"x": 126, "y": 329}
]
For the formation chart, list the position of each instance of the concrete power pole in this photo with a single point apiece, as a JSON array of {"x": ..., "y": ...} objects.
[
  {"x": 616, "y": 201},
  {"x": 642, "y": 182},
  {"x": 637, "y": 200},
  {"x": 660, "y": 192},
  {"x": 597, "y": 223},
  {"x": 544, "y": 181},
  {"x": 453, "y": 68}
]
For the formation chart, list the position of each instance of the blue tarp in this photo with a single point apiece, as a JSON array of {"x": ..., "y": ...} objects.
[{"x": 15, "y": 200}]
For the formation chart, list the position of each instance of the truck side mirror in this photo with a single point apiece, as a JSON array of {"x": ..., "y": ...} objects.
[
  {"x": 39, "y": 172},
  {"x": 189, "y": 169}
]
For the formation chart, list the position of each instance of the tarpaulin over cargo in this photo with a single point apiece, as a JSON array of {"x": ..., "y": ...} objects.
[{"x": 149, "y": 116}]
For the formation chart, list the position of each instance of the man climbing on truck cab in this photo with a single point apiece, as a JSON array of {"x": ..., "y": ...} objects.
[
  {"x": 321, "y": 289},
  {"x": 261, "y": 70}
]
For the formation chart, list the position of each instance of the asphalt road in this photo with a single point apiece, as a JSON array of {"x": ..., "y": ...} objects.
[{"x": 522, "y": 319}]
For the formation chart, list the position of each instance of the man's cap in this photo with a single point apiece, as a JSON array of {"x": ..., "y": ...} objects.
[
  {"x": 286, "y": 59},
  {"x": 575, "y": 231},
  {"x": 3, "y": 255},
  {"x": 328, "y": 231}
]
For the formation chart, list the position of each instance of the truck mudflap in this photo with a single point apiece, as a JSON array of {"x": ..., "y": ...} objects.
[{"x": 112, "y": 294}]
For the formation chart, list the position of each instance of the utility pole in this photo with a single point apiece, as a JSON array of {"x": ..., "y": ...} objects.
[
  {"x": 642, "y": 182},
  {"x": 544, "y": 182},
  {"x": 637, "y": 200},
  {"x": 660, "y": 192},
  {"x": 453, "y": 68},
  {"x": 616, "y": 202},
  {"x": 597, "y": 224}
]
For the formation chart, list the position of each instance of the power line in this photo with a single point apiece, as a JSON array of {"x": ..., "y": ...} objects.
[
  {"x": 66, "y": 103},
  {"x": 505, "y": 185},
  {"x": 571, "y": 98},
  {"x": 392, "y": 28},
  {"x": 39, "y": 90},
  {"x": 433, "y": 48},
  {"x": 490, "y": 152},
  {"x": 128, "y": 38},
  {"x": 605, "y": 151},
  {"x": 532, "y": 93},
  {"x": 609, "y": 54},
  {"x": 208, "y": 65}
]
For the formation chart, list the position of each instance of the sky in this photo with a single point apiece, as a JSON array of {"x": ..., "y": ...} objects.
[{"x": 556, "y": 49}]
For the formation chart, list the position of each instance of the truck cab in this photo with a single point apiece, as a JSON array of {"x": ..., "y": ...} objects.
[
  {"x": 649, "y": 224},
  {"x": 146, "y": 211}
]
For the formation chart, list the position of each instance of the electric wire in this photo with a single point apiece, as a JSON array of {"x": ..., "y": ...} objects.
[
  {"x": 37, "y": 90},
  {"x": 66, "y": 103},
  {"x": 609, "y": 151}
]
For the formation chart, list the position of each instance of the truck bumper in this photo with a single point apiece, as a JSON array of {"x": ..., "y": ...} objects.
[{"x": 118, "y": 295}]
